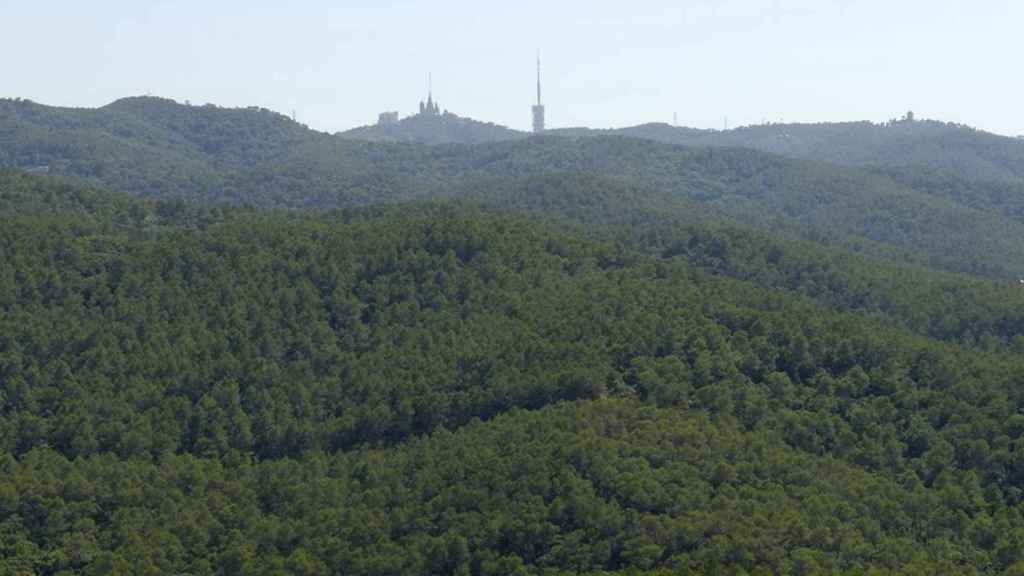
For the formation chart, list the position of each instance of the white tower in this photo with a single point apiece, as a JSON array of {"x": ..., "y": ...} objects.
[{"x": 538, "y": 108}]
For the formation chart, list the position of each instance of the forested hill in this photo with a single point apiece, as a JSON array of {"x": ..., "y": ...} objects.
[
  {"x": 945, "y": 306},
  {"x": 233, "y": 345},
  {"x": 437, "y": 389},
  {"x": 157, "y": 148},
  {"x": 446, "y": 128},
  {"x": 145, "y": 145},
  {"x": 860, "y": 209},
  {"x": 31, "y": 135},
  {"x": 40, "y": 135},
  {"x": 919, "y": 144}
]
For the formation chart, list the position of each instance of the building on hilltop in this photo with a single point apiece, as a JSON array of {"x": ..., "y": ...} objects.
[
  {"x": 430, "y": 108},
  {"x": 538, "y": 108}
]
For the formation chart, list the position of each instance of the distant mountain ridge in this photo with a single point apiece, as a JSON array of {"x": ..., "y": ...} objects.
[
  {"x": 248, "y": 135},
  {"x": 958, "y": 211},
  {"x": 145, "y": 145},
  {"x": 935, "y": 145},
  {"x": 241, "y": 134},
  {"x": 939, "y": 146}
]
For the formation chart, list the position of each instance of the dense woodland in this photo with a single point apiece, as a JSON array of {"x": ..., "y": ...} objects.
[
  {"x": 908, "y": 211},
  {"x": 557, "y": 356},
  {"x": 926, "y": 145}
]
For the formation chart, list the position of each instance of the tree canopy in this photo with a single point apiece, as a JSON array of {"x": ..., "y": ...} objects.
[
  {"x": 438, "y": 388},
  {"x": 233, "y": 345}
]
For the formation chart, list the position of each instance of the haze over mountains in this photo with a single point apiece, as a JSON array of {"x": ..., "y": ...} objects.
[
  {"x": 230, "y": 344},
  {"x": 900, "y": 142},
  {"x": 944, "y": 195},
  {"x": 940, "y": 146}
]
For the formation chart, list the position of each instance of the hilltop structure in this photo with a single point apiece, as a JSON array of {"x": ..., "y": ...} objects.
[
  {"x": 538, "y": 108},
  {"x": 430, "y": 108},
  {"x": 433, "y": 125}
]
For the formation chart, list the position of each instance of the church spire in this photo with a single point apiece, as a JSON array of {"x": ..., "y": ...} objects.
[
  {"x": 430, "y": 107},
  {"x": 430, "y": 91}
]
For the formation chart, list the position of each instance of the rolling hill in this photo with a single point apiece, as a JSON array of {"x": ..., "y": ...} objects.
[
  {"x": 157, "y": 148},
  {"x": 440, "y": 388},
  {"x": 923, "y": 144}
]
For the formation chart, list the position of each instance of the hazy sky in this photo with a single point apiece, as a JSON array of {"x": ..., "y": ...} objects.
[{"x": 606, "y": 62}]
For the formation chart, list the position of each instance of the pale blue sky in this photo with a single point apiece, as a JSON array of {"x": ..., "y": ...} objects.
[{"x": 606, "y": 62}]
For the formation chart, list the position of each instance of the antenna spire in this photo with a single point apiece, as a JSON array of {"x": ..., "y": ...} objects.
[
  {"x": 538, "y": 108},
  {"x": 538, "y": 78}
]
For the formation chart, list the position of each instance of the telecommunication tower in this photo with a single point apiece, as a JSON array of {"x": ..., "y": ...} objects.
[{"x": 538, "y": 108}]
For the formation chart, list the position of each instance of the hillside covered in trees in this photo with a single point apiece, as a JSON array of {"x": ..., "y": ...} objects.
[
  {"x": 927, "y": 144},
  {"x": 446, "y": 389},
  {"x": 158, "y": 148},
  {"x": 233, "y": 345}
]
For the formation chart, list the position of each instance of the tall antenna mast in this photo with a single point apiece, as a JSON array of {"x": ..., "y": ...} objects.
[
  {"x": 538, "y": 78},
  {"x": 538, "y": 109}
]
